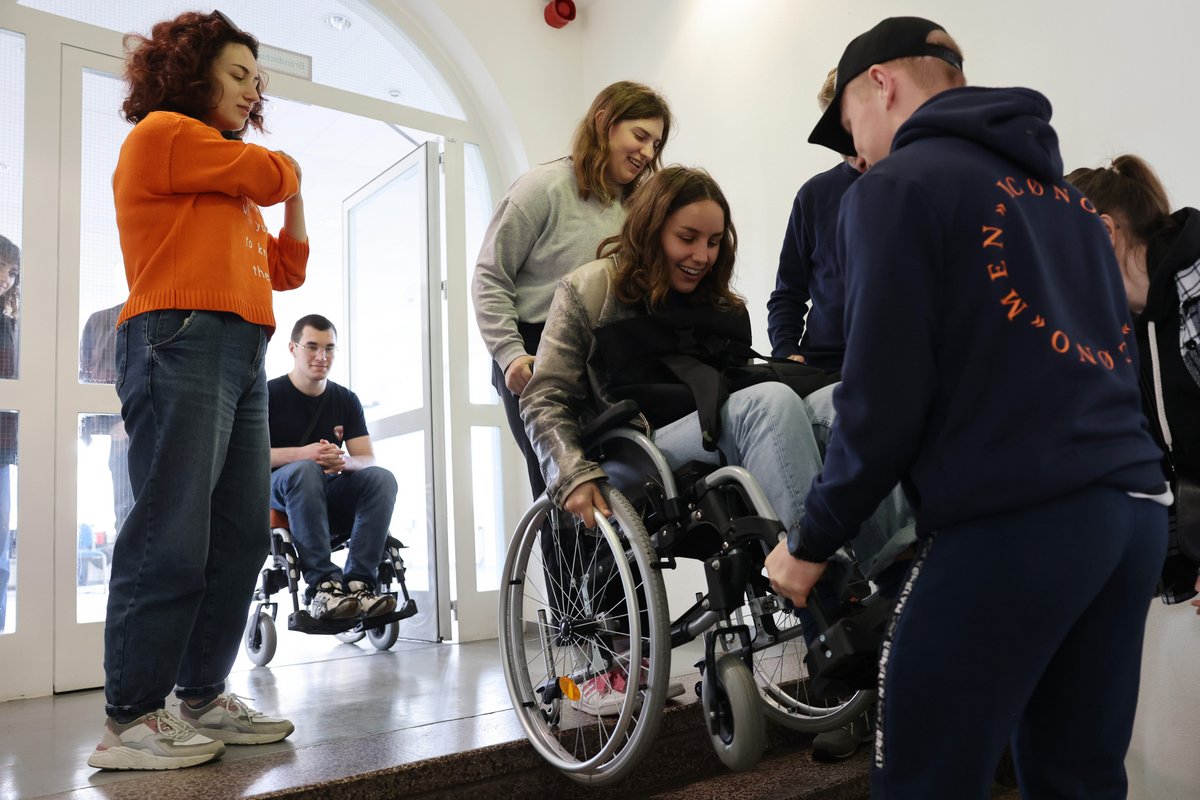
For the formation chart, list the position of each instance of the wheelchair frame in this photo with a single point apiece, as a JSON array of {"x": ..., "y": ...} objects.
[
  {"x": 260, "y": 638},
  {"x": 753, "y": 660}
]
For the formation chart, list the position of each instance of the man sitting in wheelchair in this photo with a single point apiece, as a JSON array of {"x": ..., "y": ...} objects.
[{"x": 312, "y": 478}]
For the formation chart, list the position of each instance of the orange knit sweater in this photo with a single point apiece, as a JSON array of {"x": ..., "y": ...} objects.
[{"x": 187, "y": 212}]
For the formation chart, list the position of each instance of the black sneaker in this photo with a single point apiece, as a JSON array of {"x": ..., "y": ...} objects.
[{"x": 844, "y": 742}]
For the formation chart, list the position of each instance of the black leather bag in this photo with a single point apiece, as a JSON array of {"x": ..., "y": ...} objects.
[{"x": 1185, "y": 517}]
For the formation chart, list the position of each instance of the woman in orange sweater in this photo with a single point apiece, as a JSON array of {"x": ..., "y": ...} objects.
[{"x": 190, "y": 344}]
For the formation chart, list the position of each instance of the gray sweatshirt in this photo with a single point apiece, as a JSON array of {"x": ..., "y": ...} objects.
[{"x": 540, "y": 232}]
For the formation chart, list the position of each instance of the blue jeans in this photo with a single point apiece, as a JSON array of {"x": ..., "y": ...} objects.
[
  {"x": 310, "y": 498},
  {"x": 194, "y": 400},
  {"x": 765, "y": 428},
  {"x": 890, "y": 529}
]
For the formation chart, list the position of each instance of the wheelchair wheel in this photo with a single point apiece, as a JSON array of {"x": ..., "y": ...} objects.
[
  {"x": 383, "y": 637},
  {"x": 261, "y": 639},
  {"x": 585, "y": 639},
  {"x": 785, "y": 688},
  {"x": 733, "y": 714},
  {"x": 349, "y": 637}
]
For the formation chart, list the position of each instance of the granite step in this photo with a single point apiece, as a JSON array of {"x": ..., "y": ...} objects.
[{"x": 681, "y": 760}]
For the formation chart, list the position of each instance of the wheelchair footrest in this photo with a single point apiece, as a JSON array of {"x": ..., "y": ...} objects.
[
  {"x": 848, "y": 651},
  {"x": 370, "y": 623},
  {"x": 305, "y": 622},
  {"x": 403, "y": 612}
]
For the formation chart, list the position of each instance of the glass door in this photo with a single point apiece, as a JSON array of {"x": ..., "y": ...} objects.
[
  {"x": 92, "y": 480},
  {"x": 25, "y": 325},
  {"x": 393, "y": 269}
]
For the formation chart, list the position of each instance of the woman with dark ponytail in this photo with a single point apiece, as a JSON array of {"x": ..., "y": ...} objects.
[{"x": 1159, "y": 255}]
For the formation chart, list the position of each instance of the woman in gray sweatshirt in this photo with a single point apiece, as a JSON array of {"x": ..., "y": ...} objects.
[{"x": 551, "y": 221}]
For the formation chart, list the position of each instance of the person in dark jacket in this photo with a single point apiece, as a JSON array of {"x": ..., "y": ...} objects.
[
  {"x": 809, "y": 273},
  {"x": 989, "y": 367},
  {"x": 807, "y": 268},
  {"x": 1158, "y": 251}
]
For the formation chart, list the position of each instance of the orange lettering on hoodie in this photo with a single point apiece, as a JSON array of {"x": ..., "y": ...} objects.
[{"x": 1015, "y": 304}]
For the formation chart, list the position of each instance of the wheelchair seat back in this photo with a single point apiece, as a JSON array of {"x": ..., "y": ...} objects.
[{"x": 339, "y": 528}]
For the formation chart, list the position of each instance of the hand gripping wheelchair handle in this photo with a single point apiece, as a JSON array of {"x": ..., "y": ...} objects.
[{"x": 852, "y": 622}]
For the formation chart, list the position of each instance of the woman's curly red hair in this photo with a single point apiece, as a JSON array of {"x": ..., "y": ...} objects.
[{"x": 171, "y": 70}]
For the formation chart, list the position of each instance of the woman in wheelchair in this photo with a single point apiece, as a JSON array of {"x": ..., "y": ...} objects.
[
  {"x": 650, "y": 321},
  {"x": 672, "y": 260}
]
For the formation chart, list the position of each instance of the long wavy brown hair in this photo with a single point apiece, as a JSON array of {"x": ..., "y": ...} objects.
[
  {"x": 171, "y": 70},
  {"x": 642, "y": 268},
  {"x": 589, "y": 148}
]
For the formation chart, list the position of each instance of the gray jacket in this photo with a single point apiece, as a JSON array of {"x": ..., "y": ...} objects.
[
  {"x": 565, "y": 392},
  {"x": 540, "y": 232}
]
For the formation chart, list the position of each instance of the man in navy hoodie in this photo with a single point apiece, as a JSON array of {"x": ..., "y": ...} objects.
[{"x": 989, "y": 368}]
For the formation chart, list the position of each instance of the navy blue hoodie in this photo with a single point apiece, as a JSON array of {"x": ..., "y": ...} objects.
[
  {"x": 989, "y": 354},
  {"x": 808, "y": 269}
]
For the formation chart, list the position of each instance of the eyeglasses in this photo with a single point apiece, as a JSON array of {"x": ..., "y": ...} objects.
[{"x": 314, "y": 348}]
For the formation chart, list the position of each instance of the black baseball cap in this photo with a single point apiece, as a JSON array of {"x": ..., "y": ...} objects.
[{"x": 895, "y": 37}]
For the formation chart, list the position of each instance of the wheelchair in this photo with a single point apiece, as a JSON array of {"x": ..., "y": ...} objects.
[
  {"x": 283, "y": 571},
  {"x": 579, "y": 605}
]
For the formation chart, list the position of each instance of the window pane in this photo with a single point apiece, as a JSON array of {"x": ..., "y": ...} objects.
[
  {"x": 487, "y": 486},
  {"x": 479, "y": 213},
  {"x": 102, "y": 286},
  {"x": 316, "y": 137},
  {"x": 386, "y": 234},
  {"x": 405, "y": 457},
  {"x": 12, "y": 181},
  {"x": 8, "y": 521},
  {"x": 104, "y": 500},
  {"x": 351, "y": 44}
]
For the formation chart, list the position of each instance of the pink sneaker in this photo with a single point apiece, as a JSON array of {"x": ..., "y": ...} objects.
[{"x": 603, "y": 695}]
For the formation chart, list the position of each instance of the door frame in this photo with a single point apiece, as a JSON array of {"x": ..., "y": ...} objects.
[{"x": 432, "y": 621}]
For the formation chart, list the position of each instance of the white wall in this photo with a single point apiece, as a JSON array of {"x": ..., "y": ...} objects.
[
  {"x": 742, "y": 79},
  {"x": 526, "y": 77}
]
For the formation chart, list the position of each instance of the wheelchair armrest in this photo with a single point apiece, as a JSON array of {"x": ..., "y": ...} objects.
[{"x": 613, "y": 417}]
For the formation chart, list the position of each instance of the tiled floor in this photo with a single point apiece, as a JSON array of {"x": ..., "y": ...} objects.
[
  {"x": 439, "y": 698},
  {"x": 353, "y": 691}
]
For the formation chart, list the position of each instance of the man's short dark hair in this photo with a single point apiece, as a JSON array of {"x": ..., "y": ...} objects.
[{"x": 312, "y": 321}]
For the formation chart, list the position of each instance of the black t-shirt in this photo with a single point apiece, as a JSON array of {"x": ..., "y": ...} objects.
[{"x": 290, "y": 412}]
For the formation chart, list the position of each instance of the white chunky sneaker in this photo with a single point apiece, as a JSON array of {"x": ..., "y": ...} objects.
[
  {"x": 158, "y": 740},
  {"x": 330, "y": 601},
  {"x": 370, "y": 603},
  {"x": 230, "y": 719}
]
